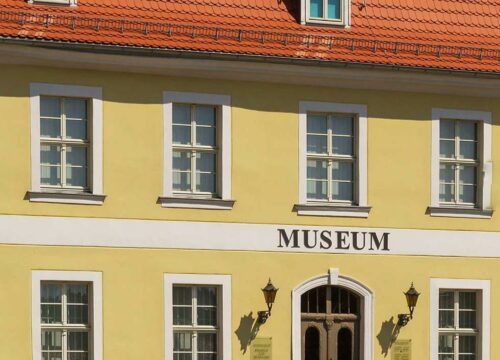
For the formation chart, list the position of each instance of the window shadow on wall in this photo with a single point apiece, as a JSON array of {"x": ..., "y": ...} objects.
[
  {"x": 387, "y": 335},
  {"x": 247, "y": 331}
]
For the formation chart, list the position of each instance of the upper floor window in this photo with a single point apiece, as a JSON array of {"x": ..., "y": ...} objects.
[
  {"x": 197, "y": 160},
  {"x": 458, "y": 162},
  {"x": 461, "y": 168},
  {"x": 66, "y": 144},
  {"x": 333, "y": 12},
  {"x": 333, "y": 161}
]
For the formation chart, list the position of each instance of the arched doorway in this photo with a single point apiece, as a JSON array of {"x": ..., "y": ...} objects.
[
  {"x": 356, "y": 316},
  {"x": 335, "y": 310}
]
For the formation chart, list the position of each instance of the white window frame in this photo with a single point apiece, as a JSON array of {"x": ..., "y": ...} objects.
[
  {"x": 482, "y": 287},
  {"x": 361, "y": 208},
  {"x": 94, "y": 97},
  {"x": 223, "y": 172},
  {"x": 345, "y": 14},
  {"x": 224, "y": 283},
  {"x": 485, "y": 170},
  {"x": 91, "y": 277}
]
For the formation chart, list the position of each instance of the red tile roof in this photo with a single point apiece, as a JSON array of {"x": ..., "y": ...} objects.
[{"x": 440, "y": 34}]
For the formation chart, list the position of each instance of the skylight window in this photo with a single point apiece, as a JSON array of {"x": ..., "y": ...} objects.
[
  {"x": 55, "y": 2},
  {"x": 328, "y": 12}
]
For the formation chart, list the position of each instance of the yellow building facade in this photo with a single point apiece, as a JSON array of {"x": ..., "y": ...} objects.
[{"x": 133, "y": 239}]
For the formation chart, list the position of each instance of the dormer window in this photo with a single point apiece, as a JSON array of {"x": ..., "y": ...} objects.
[
  {"x": 53, "y": 2},
  {"x": 328, "y": 12}
]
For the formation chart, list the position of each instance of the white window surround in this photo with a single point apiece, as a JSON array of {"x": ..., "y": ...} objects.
[
  {"x": 345, "y": 15},
  {"x": 168, "y": 199},
  {"x": 94, "y": 96},
  {"x": 224, "y": 281},
  {"x": 334, "y": 278},
  {"x": 93, "y": 277},
  {"x": 331, "y": 209},
  {"x": 486, "y": 168},
  {"x": 460, "y": 284}
]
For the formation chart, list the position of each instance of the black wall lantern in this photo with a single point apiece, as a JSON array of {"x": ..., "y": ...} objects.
[
  {"x": 269, "y": 292},
  {"x": 411, "y": 299}
]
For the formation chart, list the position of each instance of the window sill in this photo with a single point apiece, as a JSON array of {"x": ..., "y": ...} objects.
[
  {"x": 332, "y": 210},
  {"x": 459, "y": 212},
  {"x": 65, "y": 197},
  {"x": 195, "y": 203}
]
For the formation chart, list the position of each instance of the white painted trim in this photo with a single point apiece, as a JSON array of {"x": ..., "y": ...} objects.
[
  {"x": 460, "y": 284},
  {"x": 88, "y": 276},
  {"x": 94, "y": 94},
  {"x": 224, "y": 281},
  {"x": 361, "y": 113},
  {"x": 123, "y": 233},
  {"x": 486, "y": 118},
  {"x": 224, "y": 101},
  {"x": 344, "y": 21},
  {"x": 367, "y": 311}
]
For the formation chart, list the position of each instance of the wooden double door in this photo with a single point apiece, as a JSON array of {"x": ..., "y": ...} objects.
[{"x": 330, "y": 337}]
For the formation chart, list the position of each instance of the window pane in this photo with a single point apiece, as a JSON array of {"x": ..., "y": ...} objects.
[
  {"x": 205, "y": 182},
  {"x": 51, "y": 314},
  {"x": 183, "y": 356},
  {"x": 50, "y": 293},
  {"x": 342, "y": 145},
  {"x": 50, "y": 107},
  {"x": 467, "y": 130},
  {"x": 181, "y": 134},
  {"x": 77, "y": 293},
  {"x": 467, "y": 319},
  {"x": 446, "y": 319},
  {"x": 75, "y": 108},
  {"x": 182, "y": 114},
  {"x": 182, "y": 341},
  {"x": 205, "y": 115},
  {"x": 317, "y": 169},
  {"x": 76, "y": 129},
  {"x": 207, "y": 342},
  {"x": 181, "y": 160},
  {"x": 183, "y": 315},
  {"x": 342, "y": 191},
  {"x": 446, "y": 344},
  {"x": 78, "y": 340},
  {"x": 51, "y": 340},
  {"x": 50, "y": 154},
  {"x": 76, "y": 155},
  {"x": 78, "y": 314},
  {"x": 446, "y": 300},
  {"x": 466, "y": 357},
  {"x": 207, "y": 316},
  {"x": 182, "y": 295},
  {"x": 316, "y": 144},
  {"x": 334, "y": 9},
  {"x": 207, "y": 356},
  {"x": 468, "y": 174},
  {"x": 467, "y": 344},
  {"x": 447, "y": 173},
  {"x": 50, "y": 128},
  {"x": 316, "y": 8},
  {"x": 446, "y": 192},
  {"x": 467, "y": 194},
  {"x": 342, "y": 170},
  {"x": 446, "y": 357},
  {"x": 205, "y": 162},
  {"x": 78, "y": 356},
  {"x": 76, "y": 176},
  {"x": 50, "y": 175},
  {"x": 207, "y": 295},
  {"x": 342, "y": 125},
  {"x": 468, "y": 150},
  {"x": 447, "y": 129},
  {"x": 181, "y": 181},
  {"x": 205, "y": 136},
  {"x": 317, "y": 190},
  {"x": 447, "y": 148},
  {"x": 467, "y": 300},
  {"x": 316, "y": 124}
]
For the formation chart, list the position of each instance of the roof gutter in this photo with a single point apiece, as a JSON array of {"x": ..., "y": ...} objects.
[{"x": 177, "y": 53}]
